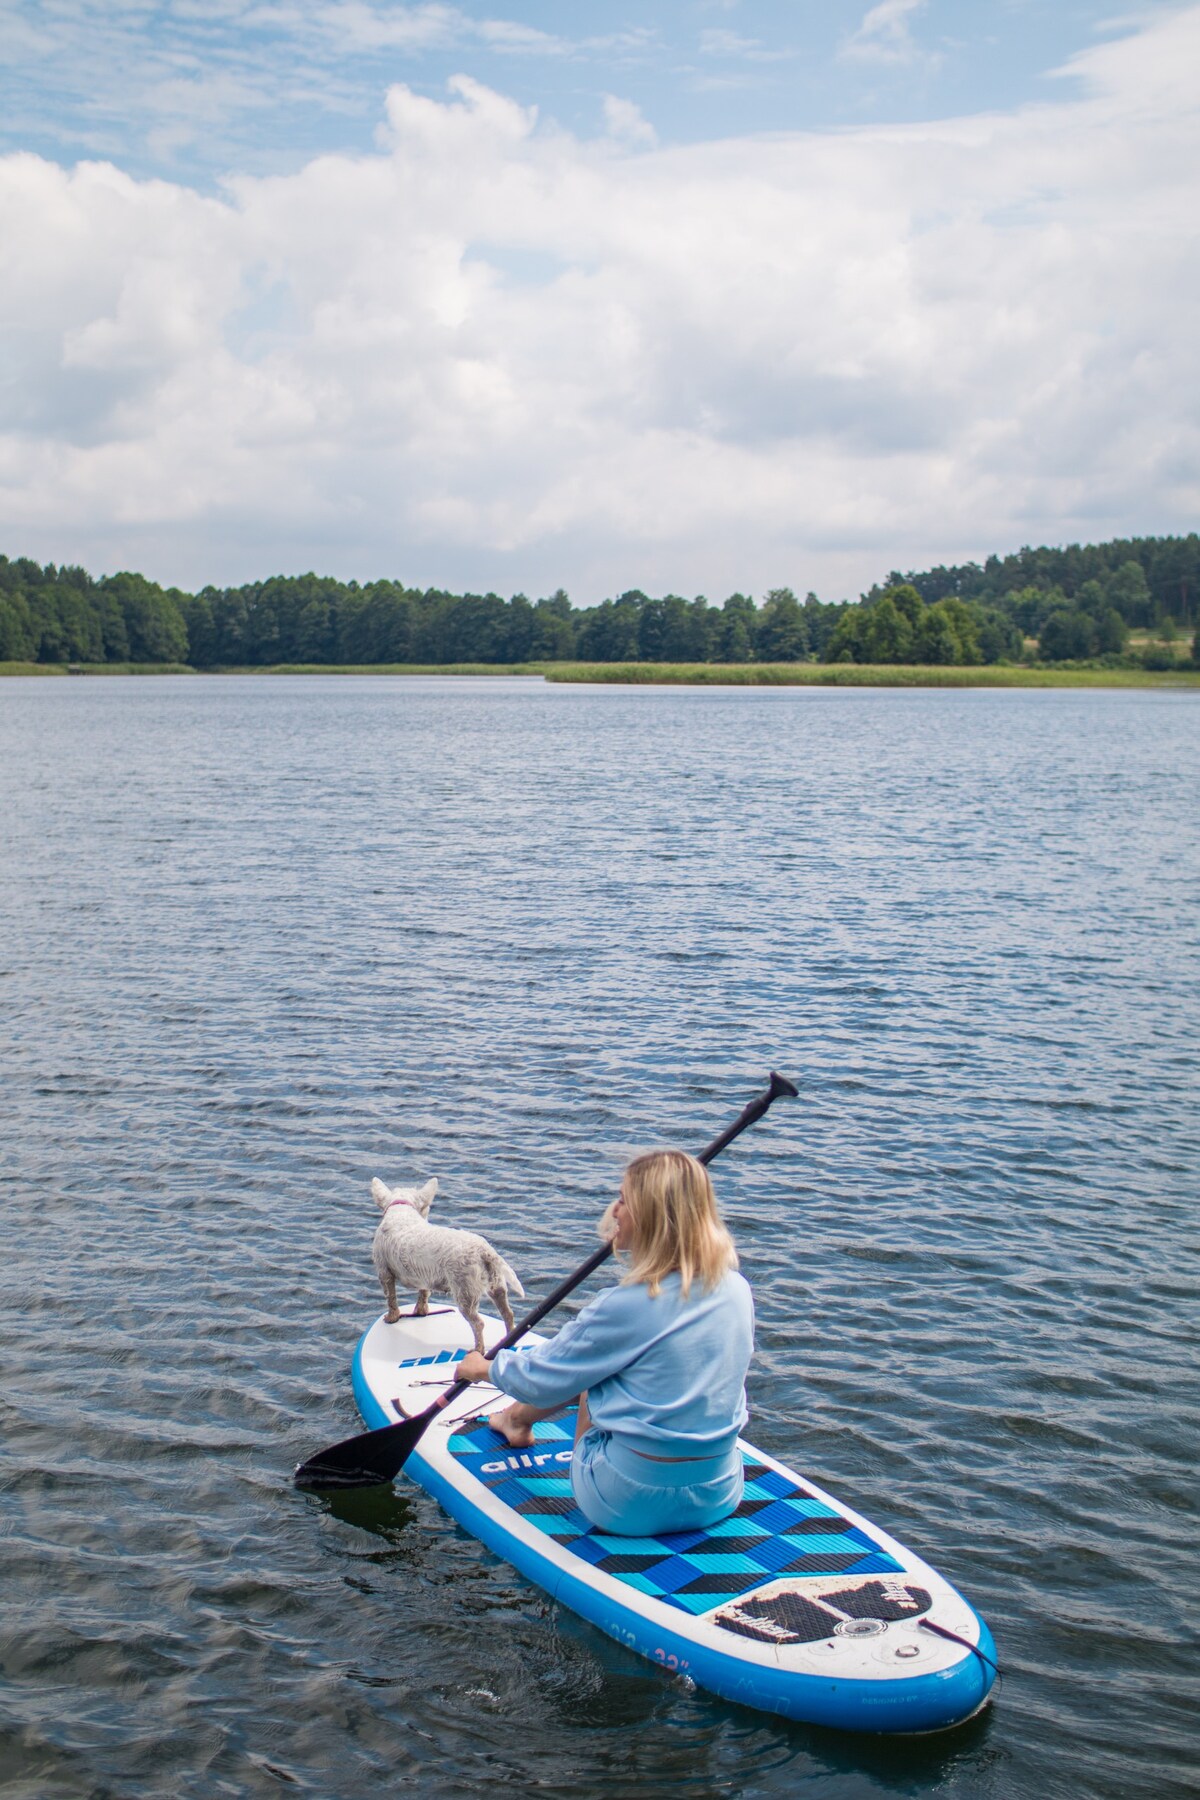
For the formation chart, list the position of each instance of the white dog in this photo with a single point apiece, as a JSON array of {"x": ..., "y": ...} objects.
[{"x": 434, "y": 1259}]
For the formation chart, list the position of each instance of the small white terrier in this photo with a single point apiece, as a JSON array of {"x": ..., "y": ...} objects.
[{"x": 433, "y": 1259}]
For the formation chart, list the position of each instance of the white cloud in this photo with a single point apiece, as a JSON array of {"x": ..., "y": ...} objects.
[
  {"x": 495, "y": 353},
  {"x": 624, "y": 120},
  {"x": 715, "y": 42},
  {"x": 885, "y": 34}
]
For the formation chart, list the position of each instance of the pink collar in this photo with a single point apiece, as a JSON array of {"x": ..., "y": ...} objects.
[{"x": 392, "y": 1203}]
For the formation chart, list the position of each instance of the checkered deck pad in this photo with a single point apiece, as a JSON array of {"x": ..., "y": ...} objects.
[{"x": 779, "y": 1529}]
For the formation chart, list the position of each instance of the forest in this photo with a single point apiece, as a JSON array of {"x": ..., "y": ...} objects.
[{"x": 1072, "y": 605}]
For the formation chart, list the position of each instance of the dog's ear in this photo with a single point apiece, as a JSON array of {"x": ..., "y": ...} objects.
[
  {"x": 380, "y": 1195},
  {"x": 423, "y": 1198}
]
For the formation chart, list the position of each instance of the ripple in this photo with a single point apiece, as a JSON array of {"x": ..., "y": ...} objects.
[{"x": 298, "y": 933}]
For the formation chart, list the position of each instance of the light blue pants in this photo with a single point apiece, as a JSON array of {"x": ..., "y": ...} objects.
[{"x": 632, "y": 1496}]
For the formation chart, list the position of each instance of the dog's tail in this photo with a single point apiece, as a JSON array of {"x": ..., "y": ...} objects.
[{"x": 510, "y": 1277}]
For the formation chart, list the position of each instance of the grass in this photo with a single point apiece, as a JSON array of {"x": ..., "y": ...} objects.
[
  {"x": 864, "y": 675},
  {"x": 392, "y": 669},
  {"x": 30, "y": 668},
  {"x": 34, "y": 668},
  {"x": 994, "y": 675}
]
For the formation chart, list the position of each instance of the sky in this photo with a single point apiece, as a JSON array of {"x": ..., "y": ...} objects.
[{"x": 702, "y": 296}]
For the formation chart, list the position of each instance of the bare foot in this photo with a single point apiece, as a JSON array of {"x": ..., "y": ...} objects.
[
  {"x": 514, "y": 1431},
  {"x": 392, "y": 1318}
]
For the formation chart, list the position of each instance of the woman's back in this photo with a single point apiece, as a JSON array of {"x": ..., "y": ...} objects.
[{"x": 683, "y": 1391}]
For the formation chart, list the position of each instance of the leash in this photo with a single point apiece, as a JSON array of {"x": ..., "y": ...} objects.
[{"x": 943, "y": 1632}]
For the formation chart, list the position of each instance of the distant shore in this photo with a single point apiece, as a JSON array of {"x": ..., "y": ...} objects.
[{"x": 799, "y": 674}]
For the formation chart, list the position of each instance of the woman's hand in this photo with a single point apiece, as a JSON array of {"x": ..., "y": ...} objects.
[{"x": 473, "y": 1367}]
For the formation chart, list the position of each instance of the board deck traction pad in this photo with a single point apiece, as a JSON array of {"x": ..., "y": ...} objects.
[{"x": 779, "y": 1530}]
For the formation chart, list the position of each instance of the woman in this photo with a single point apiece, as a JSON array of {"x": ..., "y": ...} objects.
[{"x": 658, "y": 1363}]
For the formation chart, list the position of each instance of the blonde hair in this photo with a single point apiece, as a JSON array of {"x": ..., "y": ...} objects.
[{"x": 674, "y": 1223}]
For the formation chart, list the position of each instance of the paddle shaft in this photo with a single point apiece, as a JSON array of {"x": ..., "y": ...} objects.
[
  {"x": 391, "y": 1445},
  {"x": 746, "y": 1117}
]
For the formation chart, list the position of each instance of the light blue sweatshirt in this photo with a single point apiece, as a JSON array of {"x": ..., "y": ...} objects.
[{"x": 666, "y": 1375}]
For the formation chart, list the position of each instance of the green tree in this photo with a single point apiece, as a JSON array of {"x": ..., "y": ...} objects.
[
  {"x": 554, "y": 629},
  {"x": 735, "y": 629},
  {"x": 936, "y": 639},
  {"x": 375, "y": 625},
  {"x": 49, "y": 636},
  {"x": 650, "y": 632},
  {"x": 201, "y": 631},
  {"x": 887, "y": 634},
  {"x": 154, "y": 625},
  {"x": 1128, "y": 592},
  {"x": 845, "y": 641},
  {"x": 1112, "y": 633},
  {"x": 609, "y": 632},
  {"x": 314, "y": 637},
  {"x": 907, "y": 601},
  {"x": 17, "y": 640},
  {"x": 1067, "y": 636},
  {"x": 1030, "y": 607},
  {"x": 231, "y": 623},
  {"x": 112, "y": 627},
  {"x": 519, "y": 626},
  {"x": 999, "y": 639},
  {"x": 687, "y": 634},
  {"x": 820, "y": 622},
  {"x": 966, "y": 620},
  {"x": 781, "y": 635},
  {"x": 736, "y": 644}
]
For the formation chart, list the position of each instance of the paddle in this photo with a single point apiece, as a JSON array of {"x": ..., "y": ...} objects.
[{"x": 377, "y": 1456}]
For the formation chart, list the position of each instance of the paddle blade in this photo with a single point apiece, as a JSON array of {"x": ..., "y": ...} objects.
[{"x": 364, "y": 1461}]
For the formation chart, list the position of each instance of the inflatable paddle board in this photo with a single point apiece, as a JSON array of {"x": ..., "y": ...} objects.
[{"x": 795, "y": 1604}]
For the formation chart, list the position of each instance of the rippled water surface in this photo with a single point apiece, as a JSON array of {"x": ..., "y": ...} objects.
[{"x": 262, "y": 939}]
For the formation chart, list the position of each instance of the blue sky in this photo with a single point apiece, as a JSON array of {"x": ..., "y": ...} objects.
[
  {"x": 694, "y": 297},
  {"x": 191, "y": 89}
]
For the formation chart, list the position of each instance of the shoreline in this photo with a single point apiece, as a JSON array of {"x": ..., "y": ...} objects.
[{"x": 892, "y": 675}]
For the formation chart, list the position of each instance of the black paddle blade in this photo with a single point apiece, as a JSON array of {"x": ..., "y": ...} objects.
[{"x": 364, "y": 1461}]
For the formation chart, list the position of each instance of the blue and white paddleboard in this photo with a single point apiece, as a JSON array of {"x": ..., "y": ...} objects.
[{"x": 794, "y": 1605}]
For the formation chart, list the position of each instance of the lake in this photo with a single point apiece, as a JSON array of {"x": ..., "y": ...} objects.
[{"x": 262, "y": 938}]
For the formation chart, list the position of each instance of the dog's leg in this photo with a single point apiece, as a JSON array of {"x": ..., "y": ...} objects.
[
  {"x": 500, "y": 1302},
  {"x": 422, "y": 1306},
  {"x": 388, "y": 1284},
  {"x": 472, "y": 1316}
]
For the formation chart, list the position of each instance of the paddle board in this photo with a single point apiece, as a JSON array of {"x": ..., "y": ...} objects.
[{"x": 795, "y": 1604}]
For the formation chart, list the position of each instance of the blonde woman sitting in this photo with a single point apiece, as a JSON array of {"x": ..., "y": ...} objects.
[{"x": 658, "y": 1363}]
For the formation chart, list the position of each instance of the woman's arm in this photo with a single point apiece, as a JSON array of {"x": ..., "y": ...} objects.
[{"x": 610, "y": 1332}]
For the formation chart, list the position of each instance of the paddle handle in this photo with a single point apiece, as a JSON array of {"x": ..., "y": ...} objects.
[{"x": 780, "y": 1086}]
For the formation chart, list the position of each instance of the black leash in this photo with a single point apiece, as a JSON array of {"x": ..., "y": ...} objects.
[{"x": 966, "y": 1643}]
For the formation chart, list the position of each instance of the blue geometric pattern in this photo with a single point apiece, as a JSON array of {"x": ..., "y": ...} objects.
[
  {"x": 779, "y": 1529},
  {"x": 421, "y": 1362}
]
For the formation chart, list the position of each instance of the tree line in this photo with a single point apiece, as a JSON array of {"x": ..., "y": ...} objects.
[{"x": 1050, "y": 605}]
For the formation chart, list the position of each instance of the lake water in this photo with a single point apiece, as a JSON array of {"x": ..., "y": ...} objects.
[{"x": 264, "y": 938}]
